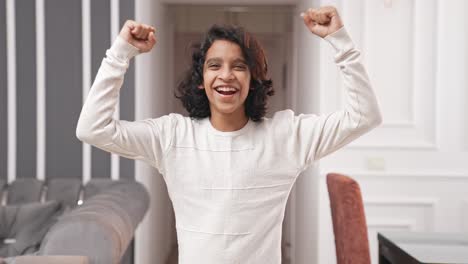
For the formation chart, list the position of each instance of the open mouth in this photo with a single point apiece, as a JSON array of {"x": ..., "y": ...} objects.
[{"x": 226, "y": 90}]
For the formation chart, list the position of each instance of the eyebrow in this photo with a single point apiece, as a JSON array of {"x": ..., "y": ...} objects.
[{"x": 216, "y": 59}]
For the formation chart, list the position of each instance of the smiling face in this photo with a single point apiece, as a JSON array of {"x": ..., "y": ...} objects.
[{"x": 226, "y": 78}]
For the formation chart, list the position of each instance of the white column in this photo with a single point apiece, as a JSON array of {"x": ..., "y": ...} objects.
[
  {"x": 11, "y": 72},
  {"x": 328, "y": 92},
  {"x": 307, "y": 85},
  {"x": 115, "y": 160},
  {"x": 86, "y": 46},
  {"x": 151, "y": 96},
  {"x": 41, "y": 90}
]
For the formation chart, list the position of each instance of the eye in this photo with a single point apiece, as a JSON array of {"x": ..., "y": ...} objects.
[
  {"x": 240, "y": 67},
  {"x": 213, "y": 66}
]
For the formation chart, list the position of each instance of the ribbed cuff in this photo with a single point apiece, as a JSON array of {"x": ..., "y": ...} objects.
[
  {"x": 123, "y": 50},
  {"x": 340, "y": 41}
]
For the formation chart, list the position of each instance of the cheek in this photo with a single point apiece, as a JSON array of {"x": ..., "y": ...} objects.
[
  {"x": 246, "y": 91},
  {"x": 247, "y": 83},
  {"x": 208, "y": 79},
  {"x": 244, "y": 79}
]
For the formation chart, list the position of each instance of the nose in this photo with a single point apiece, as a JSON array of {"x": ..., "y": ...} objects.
[{"x": 226, "y": 74}]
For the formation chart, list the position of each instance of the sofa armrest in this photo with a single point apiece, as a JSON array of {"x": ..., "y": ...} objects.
[
  {"x": 51, "y": 260},
  {"x": 102, "y": 227}
]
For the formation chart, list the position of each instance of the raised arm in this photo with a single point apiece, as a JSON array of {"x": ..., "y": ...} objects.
[
  {"x": 317, "y": 136},
  {"x": 96, "y": 125}
]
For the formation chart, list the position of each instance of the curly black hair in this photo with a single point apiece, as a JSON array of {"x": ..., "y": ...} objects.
[{"x": 195, "y": 99}]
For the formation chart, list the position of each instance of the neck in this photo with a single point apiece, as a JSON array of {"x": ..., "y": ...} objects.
[{"x": 228, "y": 122}]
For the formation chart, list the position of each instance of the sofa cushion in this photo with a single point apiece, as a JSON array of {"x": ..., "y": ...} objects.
[
  {"x": 22, "y": 227},
  {"x": 24, "y": 190},
  {"x": 67, "y": 191}
]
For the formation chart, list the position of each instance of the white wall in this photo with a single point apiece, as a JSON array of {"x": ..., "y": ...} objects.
[{"x": 413, "y": 169}]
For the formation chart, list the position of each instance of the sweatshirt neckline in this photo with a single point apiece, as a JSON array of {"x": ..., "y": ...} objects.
[{"x": 228, "y": 133}]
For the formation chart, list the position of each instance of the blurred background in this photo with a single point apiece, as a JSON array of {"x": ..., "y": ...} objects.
[{"x": 413, "y": 169}]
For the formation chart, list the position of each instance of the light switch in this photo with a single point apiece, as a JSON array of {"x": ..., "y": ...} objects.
[{"x": 375, "y": 163}]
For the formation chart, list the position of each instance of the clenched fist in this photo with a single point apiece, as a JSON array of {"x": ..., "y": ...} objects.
[
  {"x": 322, "y": 21},
  {"x": 139, "y": 35}
]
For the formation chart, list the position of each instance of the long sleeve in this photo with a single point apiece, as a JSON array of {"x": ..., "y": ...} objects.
[
  {"x": 143, "y": 140},
  {"x": 316, "y": 136}
]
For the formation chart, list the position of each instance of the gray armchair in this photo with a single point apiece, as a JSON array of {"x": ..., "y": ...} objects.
[{"x": 98, "y": 231}]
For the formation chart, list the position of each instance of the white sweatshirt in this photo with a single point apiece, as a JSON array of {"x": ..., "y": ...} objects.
[{"x": 229, "y": 189}]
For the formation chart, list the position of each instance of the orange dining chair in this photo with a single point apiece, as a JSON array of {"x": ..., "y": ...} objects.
[{"x": 349, "y": 220}]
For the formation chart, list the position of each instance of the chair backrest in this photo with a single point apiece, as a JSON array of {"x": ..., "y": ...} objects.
[{"x": 349, "y": 221}]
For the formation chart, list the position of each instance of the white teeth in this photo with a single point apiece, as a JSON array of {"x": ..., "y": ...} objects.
[{"x": 226, "y": 89}]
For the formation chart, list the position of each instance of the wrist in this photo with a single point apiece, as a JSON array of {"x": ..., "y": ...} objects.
[
  {"x": 123, "y": 50},
  {"x": 340, "y": 40}
]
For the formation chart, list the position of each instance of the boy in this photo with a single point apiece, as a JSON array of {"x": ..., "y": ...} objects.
[{"x": 228, "y": 169}]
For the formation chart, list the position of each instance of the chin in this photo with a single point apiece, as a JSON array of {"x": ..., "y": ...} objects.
[{"x": 228, "y": 110}]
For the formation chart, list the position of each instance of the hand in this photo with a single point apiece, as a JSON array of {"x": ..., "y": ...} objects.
[
  {"x": 139, "y": 35},
  {"x": 322, "y": 21}
]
